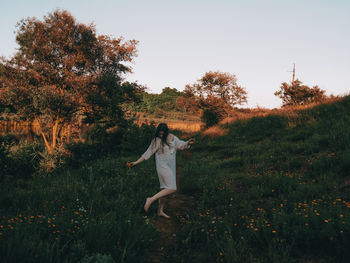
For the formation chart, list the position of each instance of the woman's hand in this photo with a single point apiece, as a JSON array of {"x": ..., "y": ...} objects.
[
  {"x": 130, "y": 164},
  {"x": 191, "y": 141}
]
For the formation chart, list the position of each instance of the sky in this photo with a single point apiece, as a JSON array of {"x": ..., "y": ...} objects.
[{"x": 180, "y": 40}]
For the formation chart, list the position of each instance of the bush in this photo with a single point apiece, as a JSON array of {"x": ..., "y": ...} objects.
[
  {"x": 25, "y": 158},
  {"x": 5, "y": 162},
  {"x": 137, "y": 139},
  {"x": 210, "y": 117}
]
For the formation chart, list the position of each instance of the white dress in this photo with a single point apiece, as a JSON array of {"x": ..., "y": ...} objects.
[{"x": 166, "y": 159}]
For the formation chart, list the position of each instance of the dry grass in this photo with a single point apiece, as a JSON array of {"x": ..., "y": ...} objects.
[
  {"x": 9, "y": 124},
  {"x": 214, "y": 131},
  {"x": 290, "y": 111},
  {"x": 186, "y": 126}
]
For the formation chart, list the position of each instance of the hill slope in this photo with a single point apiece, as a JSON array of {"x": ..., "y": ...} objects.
[{"x": 273, "y": 189}]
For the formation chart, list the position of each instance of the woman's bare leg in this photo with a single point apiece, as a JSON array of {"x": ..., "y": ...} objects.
[
  {"x": 161, "y": 208},
  {"x": 160, "y": 194}
]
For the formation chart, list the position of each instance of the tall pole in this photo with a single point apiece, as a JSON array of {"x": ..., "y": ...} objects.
[{"x": 293, "y": 74}]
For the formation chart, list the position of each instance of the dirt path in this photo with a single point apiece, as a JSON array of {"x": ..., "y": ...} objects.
[{"x": 179, "y": 207}]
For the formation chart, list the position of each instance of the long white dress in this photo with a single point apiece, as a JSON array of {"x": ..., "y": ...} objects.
[{"x": 166, "y": 159}]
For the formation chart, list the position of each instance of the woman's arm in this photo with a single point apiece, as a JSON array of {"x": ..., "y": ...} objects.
[
  {"x": 141, "y": 159},
  {"x": 150, "y": 151},
  {"x": 181, "y": 145}
]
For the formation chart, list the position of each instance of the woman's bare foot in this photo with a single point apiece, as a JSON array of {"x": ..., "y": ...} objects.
[
  {"x": 147, "y": 204},
  {"x": 161, "y": 213}
]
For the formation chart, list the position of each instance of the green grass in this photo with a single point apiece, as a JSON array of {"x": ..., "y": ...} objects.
[
  {"x": 271, "y": 190},
  {"x": 94, "y": 211}
]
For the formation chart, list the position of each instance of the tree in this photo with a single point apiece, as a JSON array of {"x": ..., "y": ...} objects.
[
  {"x": 214, "y": 110},
  {"x": 216, "y": 93},
  {"x": 167, "y": 99},
  {"x": 220, "y": 85},
  {"x": 170, "y": 92},
  {"x": 61, "y": 71},
  {"x": 298, "y": 94}
]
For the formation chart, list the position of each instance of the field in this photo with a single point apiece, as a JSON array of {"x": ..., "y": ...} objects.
[{"x": 269, "y": 189}]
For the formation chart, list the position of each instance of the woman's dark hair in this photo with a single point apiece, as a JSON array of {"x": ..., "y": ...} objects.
[{"x": 163, "y": 127}]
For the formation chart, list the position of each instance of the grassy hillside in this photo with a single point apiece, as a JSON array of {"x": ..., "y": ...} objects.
[{"x": 273, "y": 189}]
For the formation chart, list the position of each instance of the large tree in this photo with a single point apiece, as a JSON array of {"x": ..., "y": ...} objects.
[
  {"x": 298, "y": 94},
  {"x": 215, "y": 94},
  {"x": 220, "y": 85},
  {"x": 61, "y": 70}
]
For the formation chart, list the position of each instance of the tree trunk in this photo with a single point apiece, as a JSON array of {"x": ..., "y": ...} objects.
[
  {"x": 48, "y": 146},
  {"x": 55, "y": 132}
]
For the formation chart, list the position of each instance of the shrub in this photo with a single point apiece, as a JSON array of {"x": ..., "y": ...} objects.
[
  {"x": 210, "y": 117},
  {"x": 25, "y": 158}
]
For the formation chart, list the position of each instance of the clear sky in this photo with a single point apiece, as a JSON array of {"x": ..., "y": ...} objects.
[{"x": 180, "y": 40}]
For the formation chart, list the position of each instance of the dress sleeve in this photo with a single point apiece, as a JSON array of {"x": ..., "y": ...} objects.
[
  {"x": 181, "y": 145},
  {"x": 151, "y": 149}
]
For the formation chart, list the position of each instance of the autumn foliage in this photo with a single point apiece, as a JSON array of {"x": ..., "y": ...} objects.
[
  {"x": 298, "y": 94},
  {"x": 216, "y": 93},
  {"x": 63, "y": 72}
]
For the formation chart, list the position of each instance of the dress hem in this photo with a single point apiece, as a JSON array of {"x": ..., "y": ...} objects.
[{"x": 164, "y": 187}]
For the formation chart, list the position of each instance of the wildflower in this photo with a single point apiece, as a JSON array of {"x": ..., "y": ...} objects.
[
  {"x": 273, "y": 231},
  {"x": 341, "y": 215}
]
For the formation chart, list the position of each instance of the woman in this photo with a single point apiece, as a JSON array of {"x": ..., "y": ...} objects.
[{"x": 164, "y": 145}]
